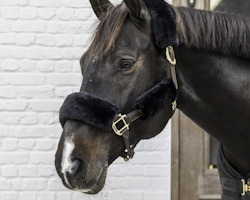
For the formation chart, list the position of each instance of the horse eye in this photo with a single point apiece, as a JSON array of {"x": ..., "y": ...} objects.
[{"x": 126, "y": 65}]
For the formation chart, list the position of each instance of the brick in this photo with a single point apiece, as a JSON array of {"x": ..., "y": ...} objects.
[
  {"x": 46, "y": 3},
  {"x": 44, "y": 145},
  {"x": 156, "y": 195},
  {"x": 135, "y": 195},
  {"x": 160, "y": 183},
  {"x": 56, "y": 185},
  {"x": 8, "y": 38},
  {"x": 28, "y": 26},
  {"x": 46, "y": 170},
  {"x": 12, "y": 52},
  {"x": 10, "y": 144},
  {"x": 28, "y": 13},
  {"x": 14, "y": 106},
  {"x": 13, "y": 2},
  {"x": 76, "y": 67},
  {"x": 25, "y": 39},
  {"x": 116, "y": 183},
  {"x": 42, "y": 158},
  {"x": 63, "y": 66},
  {"x": 117, "y": 195},
  {"x": 5, "y": 131},
  {"x": 44, "y": 92},
  {"x": 65, "y": 14},
  {"x": 47, "y": 118},
  {"x": 5, "y": 184},
  {"x": 42, "y": 53},
  {"x": 27, "y": 66},
  {"x": 17, "y": 158},
  {"x": 45, "y": 106},
  {"x": 82, "y": 40},
  {"x": 9, "y": 171},
  {"x": 29, "y": 184},
  {"x": 54, "y": 131},
  {"x": 27, "y": 195},
  {"x": 132, "y": 170},
  {"x": 10, "y": 12},
  {"x": 73, "y": 53},
  {"x": 157, "y": 145},
  {"x": 65, "y": 27},
  {"x": 27, "y": 144},
  {"x": 8, "y": 92},
  {"x": 27, "y": 171},
  {"x": 45, "y": 40},
  {"x": 28, "y": 118},
  {"x": 10, "y": 118},
  {"x": 46, "y": 196},
  {"x": 151, "y": 158},
  {"x": 64, "y": 40},
  {"x": 114, "y": 171},
  {"x": 76, "y": 3},
  {"x": 156, "y": 170},
  {"x": 26, "y": 79},
  {"x": 137, "y": 183},
  {"x": 4, "y": 79},
  {"x": 4, "y": 26},
  {"x": 26, "y": 92},
  {"x": 28, "y": 131},
  {"x": 63, "y": 91},
  {"x": 10, "y": 65},
  {"x": 46, "y": 13},
  {"x": 82, "y": 14},
  {"x": 9, "y": 195},
  {"x": 63, "y": 195},
  {"x": 46, "y": 66},
  {"x": 62, "y": 79}
]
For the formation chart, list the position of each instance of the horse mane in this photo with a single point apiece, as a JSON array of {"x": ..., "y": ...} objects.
[
  {"x": 226, "y": 34},
  {"x": 106, "y": 33}
]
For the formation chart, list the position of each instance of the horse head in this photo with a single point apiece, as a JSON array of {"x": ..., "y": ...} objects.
[{"x": 120, "y": 65}]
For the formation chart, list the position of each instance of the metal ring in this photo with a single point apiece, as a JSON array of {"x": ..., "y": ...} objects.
[{"x": 173, "y": 62}]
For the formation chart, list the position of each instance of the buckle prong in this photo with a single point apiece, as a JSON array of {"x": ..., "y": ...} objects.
[{"x": 126, "y": 125}]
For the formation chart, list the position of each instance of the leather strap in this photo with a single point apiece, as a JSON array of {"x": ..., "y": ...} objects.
[
  {"x": 235, "y": 186},
  {"x": 131, "y": 117}
]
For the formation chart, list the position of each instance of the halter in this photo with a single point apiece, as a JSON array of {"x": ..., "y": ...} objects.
[{"x": 136, "y": 114}]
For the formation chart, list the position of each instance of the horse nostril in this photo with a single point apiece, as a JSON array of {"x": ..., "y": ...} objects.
[{"x": 74, "y": 166}]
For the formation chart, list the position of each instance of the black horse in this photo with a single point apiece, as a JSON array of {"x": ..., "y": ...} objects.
[{"x": 213, "y": 74}]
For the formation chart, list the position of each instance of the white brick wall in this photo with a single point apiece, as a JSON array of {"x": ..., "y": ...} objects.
[{"x": 41, "y": 42}]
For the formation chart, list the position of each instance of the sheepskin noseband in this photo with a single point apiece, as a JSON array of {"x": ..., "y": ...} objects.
[{"x": 102, "y": 113}]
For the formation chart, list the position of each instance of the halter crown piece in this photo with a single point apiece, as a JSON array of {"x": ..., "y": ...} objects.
[{"x": 106, "y": 115}]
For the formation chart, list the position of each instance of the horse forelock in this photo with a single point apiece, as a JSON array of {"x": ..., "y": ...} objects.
[
  {"x": 109, "y": 28},
  {"x": 226, "y": 34}
]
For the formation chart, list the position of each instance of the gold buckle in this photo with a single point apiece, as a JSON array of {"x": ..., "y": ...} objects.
[
  {"x": 174, "y": 105},
  {"x": 173, "y": 62},
  {"x": 126, "y": 126},
  {"x": 245, "y": 187}
]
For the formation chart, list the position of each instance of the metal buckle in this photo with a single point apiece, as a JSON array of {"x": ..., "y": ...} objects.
[
  {"x": 174, "y": 105},
  {"x": 245, "y": 187},
  {"x": 126, "y": 126},
  {"x": 173, "y": 62}
]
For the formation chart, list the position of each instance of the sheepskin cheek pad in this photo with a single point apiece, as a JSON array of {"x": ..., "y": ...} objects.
[
  {"x": 157, "y": 98},
  {"x": 101, "y": 113}
]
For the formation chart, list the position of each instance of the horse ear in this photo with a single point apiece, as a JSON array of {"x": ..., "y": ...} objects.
[
  {"x": 137, "y": 9},
  {"x": 100, "y": 6}
]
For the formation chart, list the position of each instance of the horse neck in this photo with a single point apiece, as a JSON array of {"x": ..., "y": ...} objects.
[{"x": 214, "y": 91}]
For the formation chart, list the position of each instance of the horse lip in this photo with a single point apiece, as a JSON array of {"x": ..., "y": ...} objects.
[{"x": 97, "y": 187}]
